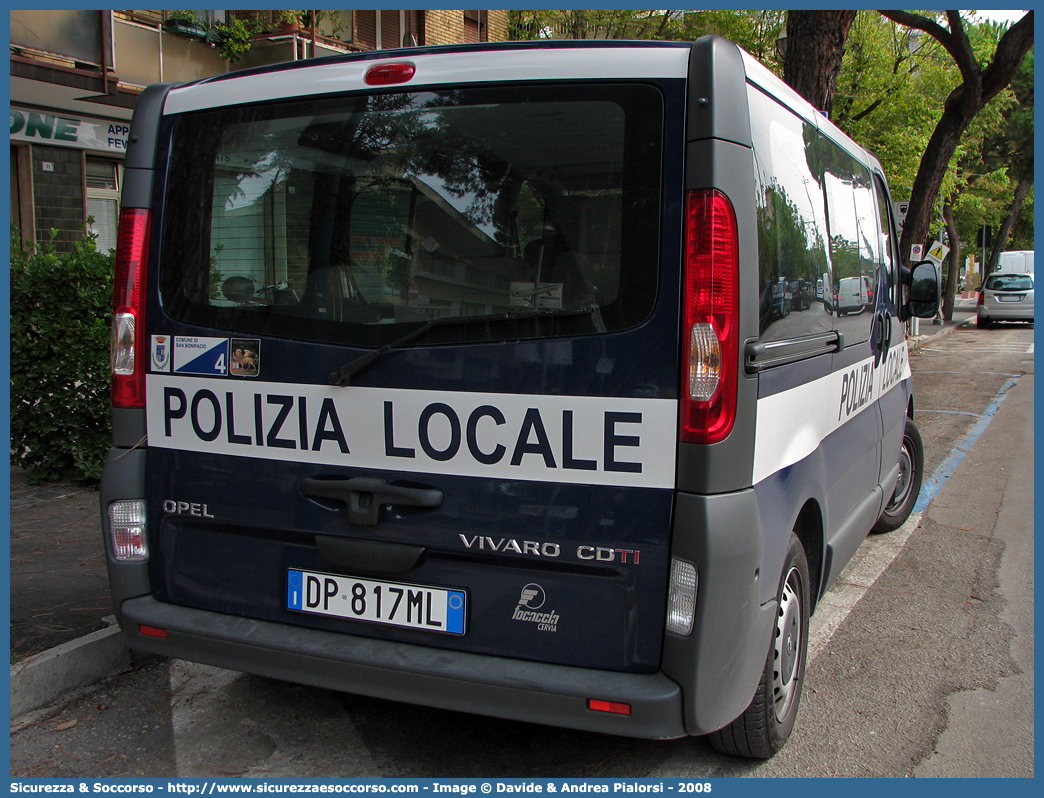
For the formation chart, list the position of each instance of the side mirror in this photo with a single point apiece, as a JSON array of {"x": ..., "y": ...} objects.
[{"x": 925, "y": 287}]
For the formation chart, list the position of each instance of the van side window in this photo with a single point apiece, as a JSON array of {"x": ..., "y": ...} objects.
[
  {"x": 855, "y": 245},
  {"x": 793, "y": 272},
  {"x": 889, "y": 243}
]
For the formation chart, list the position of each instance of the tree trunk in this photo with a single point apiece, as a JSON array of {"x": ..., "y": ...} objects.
[
  {"x": 953, "y": 262},
  {"x": 930, "y": 172},
  {"x": 815, "y": 47},
  {"x": 978, "y": 88},
  {"x": 1021, "y": 189}
]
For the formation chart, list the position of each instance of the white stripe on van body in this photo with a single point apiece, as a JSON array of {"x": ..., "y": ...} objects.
[
  {"x": 452, "y": 68},
  {"x": 584, "y": 440},
  {"x": 791, "y": 424}
]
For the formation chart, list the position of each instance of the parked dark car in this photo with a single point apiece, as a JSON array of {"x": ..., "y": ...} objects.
[{"x": 800, "y": 295}]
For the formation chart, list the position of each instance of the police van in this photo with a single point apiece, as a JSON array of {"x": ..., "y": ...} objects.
[{"x": 458, "y": 376}]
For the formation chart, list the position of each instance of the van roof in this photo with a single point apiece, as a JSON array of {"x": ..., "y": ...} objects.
[{"x": 566, "y": 59}]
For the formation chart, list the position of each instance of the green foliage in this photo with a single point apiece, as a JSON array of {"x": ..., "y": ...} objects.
[
  {"x": 1022, "y": 231},
  {"x": 890, "y": 96},
  {"x": 181, "y": 15},
  {"x": 328, "y": 22},
  {"x": 594, "y": 24},
  {"x": 755, "y": 31},
  {"x": 890, "y": 93},
  {"x": 60, "y": 322},
  {"x": 996, "y": 154},
  {"x": 234, "y": 37}
]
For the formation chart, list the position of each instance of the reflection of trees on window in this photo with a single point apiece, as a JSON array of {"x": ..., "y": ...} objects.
[
  {"x": 379, "y": 246},
  {"x": 854, "y": 237},
  {"x": 792, "y": 261},
  {"x": 792, "y": 246},
  {"x": 845, "y": 256},
  {"x": 399, "y": 136},
  {"x": 789, "y": 245}
]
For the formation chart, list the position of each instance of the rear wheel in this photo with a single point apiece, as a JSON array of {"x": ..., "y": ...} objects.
[
  {"x": 911, "y": 473},
  {"x": 982, "y": 323},
  {"x": 763, "y": 728}
]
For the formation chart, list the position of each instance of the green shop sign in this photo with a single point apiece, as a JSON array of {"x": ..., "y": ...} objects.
[{"x": 69, "y": 131}]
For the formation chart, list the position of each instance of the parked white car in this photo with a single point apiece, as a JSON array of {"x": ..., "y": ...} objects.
[{"x": 1005, "y": 297}]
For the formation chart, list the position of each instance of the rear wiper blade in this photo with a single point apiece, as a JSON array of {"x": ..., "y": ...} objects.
[{"x": 344, "y": 374}]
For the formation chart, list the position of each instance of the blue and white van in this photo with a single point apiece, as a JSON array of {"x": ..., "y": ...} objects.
[{"x": 458, "y": 376}]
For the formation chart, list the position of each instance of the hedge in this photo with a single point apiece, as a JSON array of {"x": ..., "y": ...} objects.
[{"x": 61, "y": 312}]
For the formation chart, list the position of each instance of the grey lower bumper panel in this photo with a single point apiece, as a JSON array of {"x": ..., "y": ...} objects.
[{"x": 527, "y": 691}]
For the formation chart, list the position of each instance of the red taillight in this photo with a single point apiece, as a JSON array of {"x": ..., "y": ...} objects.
[
  {"x": 608, "y": 706},
  {"x": 388, "y": 74},
  {"x": 710, "y": 319},
  {"x": 151, "y": 631},
  {"x": 982, "y": 298},
  {"x": 128, "y": 306}
]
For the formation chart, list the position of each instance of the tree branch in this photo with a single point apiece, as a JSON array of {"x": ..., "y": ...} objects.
[
  {"x": 1013, "y": 46},
  {"x": 870, "y": 109},
  {"x": 963, "y": 55},
  {"x": 954, "y": 40},
  {"x": 931, "y": 27}
]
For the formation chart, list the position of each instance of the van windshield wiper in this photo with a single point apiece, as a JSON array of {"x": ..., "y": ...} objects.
[{"x": 344, "y": 374}]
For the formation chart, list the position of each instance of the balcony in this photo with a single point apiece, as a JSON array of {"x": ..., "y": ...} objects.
[{"x": 132, "y": 49}]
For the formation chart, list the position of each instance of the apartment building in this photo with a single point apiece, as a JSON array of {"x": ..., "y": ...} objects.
[{"x": 76, "y": 76}]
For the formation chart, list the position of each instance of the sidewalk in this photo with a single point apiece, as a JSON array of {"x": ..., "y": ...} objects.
[
  {"x": 60, "y": 590},
  {"x": 963, "y": 311},
  {"x": 59, "y": 585}
]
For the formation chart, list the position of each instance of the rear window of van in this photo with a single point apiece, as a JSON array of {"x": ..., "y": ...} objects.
[{"x": 518, "y": 211}]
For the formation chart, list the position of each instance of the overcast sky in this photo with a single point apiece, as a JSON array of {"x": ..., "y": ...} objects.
[{"x": 1001, "y": 16}]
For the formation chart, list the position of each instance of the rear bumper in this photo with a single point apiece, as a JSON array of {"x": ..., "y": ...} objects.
[
  {"x": 527, "y": 691},
  {"x": 706, "y": 679},
  {"x": 1007, "y": 312}
]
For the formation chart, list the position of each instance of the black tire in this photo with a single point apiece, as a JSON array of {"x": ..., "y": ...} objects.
[
  {"x": 763, "y": 728},
  {"x": 981, "y": 323},
  {"x": 908, "y": 486}
]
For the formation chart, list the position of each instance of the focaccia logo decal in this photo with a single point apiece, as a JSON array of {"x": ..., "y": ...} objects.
[{"x": 532, "y": 598}]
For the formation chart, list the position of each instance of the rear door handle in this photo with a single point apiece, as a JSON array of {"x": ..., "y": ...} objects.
[{"x": 365, "y": 497}]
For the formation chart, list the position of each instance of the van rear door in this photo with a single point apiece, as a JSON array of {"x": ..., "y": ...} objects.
[{"x": 415, "y": 348}]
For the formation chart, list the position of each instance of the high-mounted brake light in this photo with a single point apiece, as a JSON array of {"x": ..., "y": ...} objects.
[
  {"x": 128, "y": 310},
  {"x": 710, "y": 319},
  {"x": 389, "y": 74}
]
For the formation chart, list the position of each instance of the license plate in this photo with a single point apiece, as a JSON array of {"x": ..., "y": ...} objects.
[
  {"x": 432, "y": 609},
  {"x": 1003, "y": 298}
]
